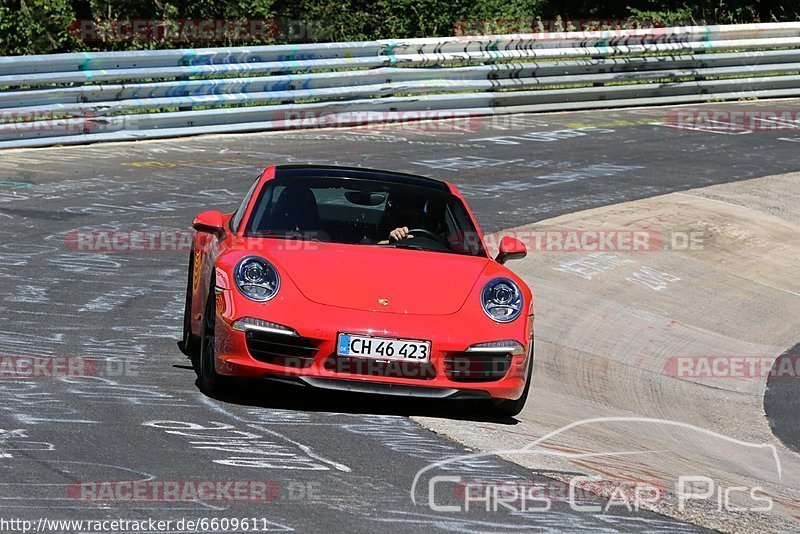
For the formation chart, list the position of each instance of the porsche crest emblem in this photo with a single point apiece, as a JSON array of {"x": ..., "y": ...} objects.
[{"x": 383, "y": 302}]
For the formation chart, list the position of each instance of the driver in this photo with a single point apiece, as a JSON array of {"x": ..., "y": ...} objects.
[{"x": 403, "y": 212}]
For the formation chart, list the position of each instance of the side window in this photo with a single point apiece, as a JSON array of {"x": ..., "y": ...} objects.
[{"x": 237, "y": 218}]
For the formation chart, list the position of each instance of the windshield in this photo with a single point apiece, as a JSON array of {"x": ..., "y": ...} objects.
[{"x": 364, "y": 212}]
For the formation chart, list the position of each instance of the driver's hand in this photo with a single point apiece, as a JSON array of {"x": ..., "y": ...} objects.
[{"x": 400, "y": 233}]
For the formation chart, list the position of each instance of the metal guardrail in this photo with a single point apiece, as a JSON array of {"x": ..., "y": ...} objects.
[{"x": 113, "y": 96}]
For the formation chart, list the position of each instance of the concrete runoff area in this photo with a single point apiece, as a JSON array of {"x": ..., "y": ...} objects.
[{"x": 677, "y": 344}]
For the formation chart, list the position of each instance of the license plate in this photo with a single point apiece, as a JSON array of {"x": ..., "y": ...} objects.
[{"x": 381, "y": 348}]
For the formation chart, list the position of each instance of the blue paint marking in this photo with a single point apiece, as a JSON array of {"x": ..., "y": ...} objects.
[
  {"x": 191, "y": 58},
  {"x": 87, "y": 59},
  {"x": 344, "y": 345},
  {"x": 15, "y": 184}
]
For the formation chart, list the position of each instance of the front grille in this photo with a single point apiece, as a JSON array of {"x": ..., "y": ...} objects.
[
  {"x": 476, "y": 366},
  {"x": 279, "y": 349},
  {"x": 371, "y": 367}
]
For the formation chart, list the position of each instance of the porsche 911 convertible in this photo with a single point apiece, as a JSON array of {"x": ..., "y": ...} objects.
[{"x": 360, "y": 280}]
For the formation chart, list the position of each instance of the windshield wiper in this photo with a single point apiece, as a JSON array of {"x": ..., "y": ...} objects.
[
  {"x": 294, "y": 236},
  {"x": 411, "y": 246},
  {"x": 303, "y": 238}
]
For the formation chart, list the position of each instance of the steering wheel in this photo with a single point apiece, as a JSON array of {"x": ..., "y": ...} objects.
[{"x": 426, "y": 233}]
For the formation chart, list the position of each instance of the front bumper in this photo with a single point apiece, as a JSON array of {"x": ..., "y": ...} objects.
[{"x": 310, "y": 357}]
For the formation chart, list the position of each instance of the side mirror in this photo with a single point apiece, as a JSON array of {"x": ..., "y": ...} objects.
[
  {"x": 210, "y": 222},
  {"x": 511, "y": 248}
]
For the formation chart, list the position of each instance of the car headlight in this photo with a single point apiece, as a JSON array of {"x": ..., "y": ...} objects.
[
  {"x": 502, "y": 300},
  {"x": 257, "y": 279}
]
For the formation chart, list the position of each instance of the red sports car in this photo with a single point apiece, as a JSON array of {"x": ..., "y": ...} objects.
[{"x": 360, "y": 280}]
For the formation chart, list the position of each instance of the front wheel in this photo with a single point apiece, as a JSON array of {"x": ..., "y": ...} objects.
[
  {"x": 210, "y": 381},
  {"x": 190, "y": 345},
  {"x": 512, "y": 407}
]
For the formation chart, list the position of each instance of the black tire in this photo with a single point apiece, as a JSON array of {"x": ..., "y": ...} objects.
[
  {"x": 210, "y": 381},
  {"x": 509, "y": 407},
  {"x": 190, "y": 344}
]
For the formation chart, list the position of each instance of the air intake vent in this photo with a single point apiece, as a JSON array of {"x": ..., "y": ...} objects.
[
  {"x": 278, "y": 349},
  {"x": 476, "y": 366}
]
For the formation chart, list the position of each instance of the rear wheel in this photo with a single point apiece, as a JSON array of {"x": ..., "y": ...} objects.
[
  {"x": 190, "y": 345},
  {"x": 210, "y": 381},
  {"x": 512, "y": 407}
]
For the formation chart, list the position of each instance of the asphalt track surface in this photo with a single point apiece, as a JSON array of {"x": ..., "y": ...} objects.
[{"x": 332, "y": 462}]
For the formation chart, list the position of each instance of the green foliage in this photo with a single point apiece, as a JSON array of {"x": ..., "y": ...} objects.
[
  {"x": 717, "y": 11},
  {"x": 47, "y": 26},
  {"x": 341, "y": 20},
  {"x": 680, "y": 17},
  {"x": 35, "y": 26},
  {"x": 110, "y": 15}
]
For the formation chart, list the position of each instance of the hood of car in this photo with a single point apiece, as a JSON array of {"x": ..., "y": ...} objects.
[{"x": 383, "y": 279}]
